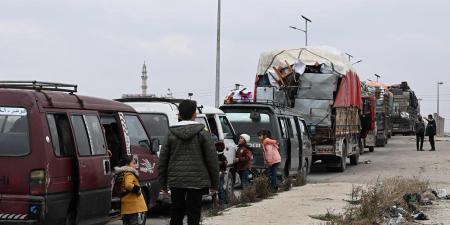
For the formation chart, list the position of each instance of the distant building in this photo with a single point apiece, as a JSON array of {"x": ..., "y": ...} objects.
[{"x": 440, "y": 122}]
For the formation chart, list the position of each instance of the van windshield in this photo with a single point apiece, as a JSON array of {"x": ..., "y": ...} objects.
[
  {"x": 14, "y": 139},
  {"x": 250, "y": 122},
  {"x": 157, "y": 125}
]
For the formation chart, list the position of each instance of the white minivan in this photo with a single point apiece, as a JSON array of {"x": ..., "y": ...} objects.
[{"x": 158, "y": 114}]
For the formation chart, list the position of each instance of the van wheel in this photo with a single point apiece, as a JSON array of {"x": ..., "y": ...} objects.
[
  {"x": 70, "y": 217},
  {"x": 371, "y": 148},
  {"x": 343, "y": 164},
  {"x": 229, "y": 187}
]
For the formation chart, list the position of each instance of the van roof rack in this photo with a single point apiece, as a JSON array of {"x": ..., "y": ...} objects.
[
  {"x": 39, "y": 86},
  {"x": 148, "y": 98}
]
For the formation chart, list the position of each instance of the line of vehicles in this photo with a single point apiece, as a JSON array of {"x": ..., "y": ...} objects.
[{"x": 54, "y": 143}]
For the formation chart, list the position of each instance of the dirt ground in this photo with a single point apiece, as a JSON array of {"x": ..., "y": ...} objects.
[{"x": 327, "y": 191}]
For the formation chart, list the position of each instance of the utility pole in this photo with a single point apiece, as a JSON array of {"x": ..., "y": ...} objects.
[
  {"x": 218, "y": 56},
  {"x": 438, "y": 84}
]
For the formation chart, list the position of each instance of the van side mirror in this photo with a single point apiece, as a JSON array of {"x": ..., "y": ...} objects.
[
  {"x": 145, "y": 144},
  {"x": 312, "y": 130},
  {"x": 155, "y": 145}
]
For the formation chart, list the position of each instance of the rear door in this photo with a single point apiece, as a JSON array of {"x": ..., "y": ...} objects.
[{"x": 94, "y": 172}]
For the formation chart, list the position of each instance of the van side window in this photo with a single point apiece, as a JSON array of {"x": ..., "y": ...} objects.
[
  {"x": 283, "y": 128},
  {"x": 226, "y": 127},
  {"x": 136, "y": 131},
  {"x": 292, "y": 128},
  {"x": 61, "y": 135},
  {"x": 95, "y": 133},
  {"x": 213, "y": 126},
  {"x": 81, "y": 136}
]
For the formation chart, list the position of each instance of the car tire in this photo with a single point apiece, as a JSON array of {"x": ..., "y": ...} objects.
[
  {"x": 229, "y": 187},
  {"x": 371, "y": 148}
]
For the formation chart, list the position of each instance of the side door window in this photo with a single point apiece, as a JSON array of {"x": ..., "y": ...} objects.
[
  {"x": 61, "y": 134},
  {"x": 213, "y": 127},
  {"x": 136, "y": 132},
  {"x": 283, "y": 128},
  {"x": 88, "y": 135},
  {"x": 226, "y": 128}
]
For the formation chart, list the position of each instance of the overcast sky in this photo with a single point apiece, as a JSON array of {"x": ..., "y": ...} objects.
[{"x": 101, "y": 45}]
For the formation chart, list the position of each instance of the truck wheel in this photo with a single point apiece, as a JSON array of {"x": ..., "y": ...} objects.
[
  {"x": 371, "y": 148},
  {"x": 343, "y": 164},
  {"x": 354, "y": 159}
]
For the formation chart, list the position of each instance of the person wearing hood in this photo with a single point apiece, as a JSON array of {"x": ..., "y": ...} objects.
[
  {"x": 431, "y": 131},
  {"x": 132, "y": 201},
  {"x": 188, "y": 165},
  {"x": 420, "y": 133},
  {"x": 243, "y": 159}
]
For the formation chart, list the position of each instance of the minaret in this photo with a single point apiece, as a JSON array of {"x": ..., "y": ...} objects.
[{"x": 144, "y": 80}]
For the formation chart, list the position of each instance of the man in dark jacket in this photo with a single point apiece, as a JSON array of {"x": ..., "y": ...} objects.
[
  {"x": 431, "y": 131},
  {"x": 420, "y": 133},
  {"x": 188, "y": 165}
]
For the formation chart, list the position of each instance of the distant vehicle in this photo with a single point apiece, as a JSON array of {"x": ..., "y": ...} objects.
[
  {"x": 158, "y": 114},
  {"x": 286, "y": 126},
  {"x": 406, "y": 108},
  {"x": 320, "y": 83},
  {"x": 383, "y": 111},
  {"x": 368, "y": 125},
  {"x": 55, "y": 167}
]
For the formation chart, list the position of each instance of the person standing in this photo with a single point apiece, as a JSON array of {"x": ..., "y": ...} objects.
[
  {"x": 132, "y": 201},
  {"x": 223, "y": 164},
  {"x": 420, "y": 133},
  {"x": 243, "y": 159},
  {"x": 272, "y": 156},
  {"x": 431, "y": 131},
  {"x": 188, "y": 165}
]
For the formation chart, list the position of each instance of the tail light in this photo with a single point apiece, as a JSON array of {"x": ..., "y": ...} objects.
[
  {"x": 220, "y": 146},
  {"x": 37, "y": 182}
]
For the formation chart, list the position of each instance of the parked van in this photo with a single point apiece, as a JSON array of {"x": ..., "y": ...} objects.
[
  {"x": 158, "y": 114},
  {"x": 57, "y": 154},
  {"x": 285, "y": 125}
]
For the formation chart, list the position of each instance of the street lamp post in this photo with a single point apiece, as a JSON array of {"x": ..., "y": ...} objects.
[
  {"x": 378, "y": 76},
  {"x": 305, "y": 30},
  {"x": 357, "y": 62},
  {"x": 217, "y": 96},
  {"x": 438, "y": 84}
]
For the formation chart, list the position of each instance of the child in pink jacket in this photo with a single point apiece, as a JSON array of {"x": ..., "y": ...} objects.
[{"x": 272, "y": 156}]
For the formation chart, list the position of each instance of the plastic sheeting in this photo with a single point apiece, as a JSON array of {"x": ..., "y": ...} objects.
[
  {"x": 316, "y": 112},
  {"x": 349, "y": 92},
  {"x": 317, "y": 86},
  {"x": 310, "y": 55}
]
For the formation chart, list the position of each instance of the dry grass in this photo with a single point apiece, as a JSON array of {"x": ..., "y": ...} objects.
[
  {"x": 372, "y": 204},
  {"x": 286, "y": 184},
  {"x": 262, "y": 187},
  {"x": 299, "y": 180}
]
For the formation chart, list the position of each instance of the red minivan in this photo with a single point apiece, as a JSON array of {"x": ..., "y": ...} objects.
[{"x": 54, "y": 161}]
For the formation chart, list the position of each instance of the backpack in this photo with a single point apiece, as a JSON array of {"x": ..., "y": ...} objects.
[{"x": 420, "y": 128}]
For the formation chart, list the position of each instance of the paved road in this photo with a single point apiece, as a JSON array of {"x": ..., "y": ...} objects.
[{"x": 398, "y": 158}]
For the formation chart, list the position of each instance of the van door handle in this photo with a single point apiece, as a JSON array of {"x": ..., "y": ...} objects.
[{"x": 106, "y": 167}]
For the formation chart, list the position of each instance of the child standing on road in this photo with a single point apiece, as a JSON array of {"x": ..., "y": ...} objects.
[
  {"x": 243, "y": 159},
  {"x": 133, "y": 204},
  {"x": 272, "y": 156}
]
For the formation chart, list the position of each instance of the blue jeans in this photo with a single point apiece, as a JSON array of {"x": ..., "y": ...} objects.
[
  {"x": 244, "y": 178},
  {"x": 273, "y": 175},
  {"x": 221, "y": 191}
]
